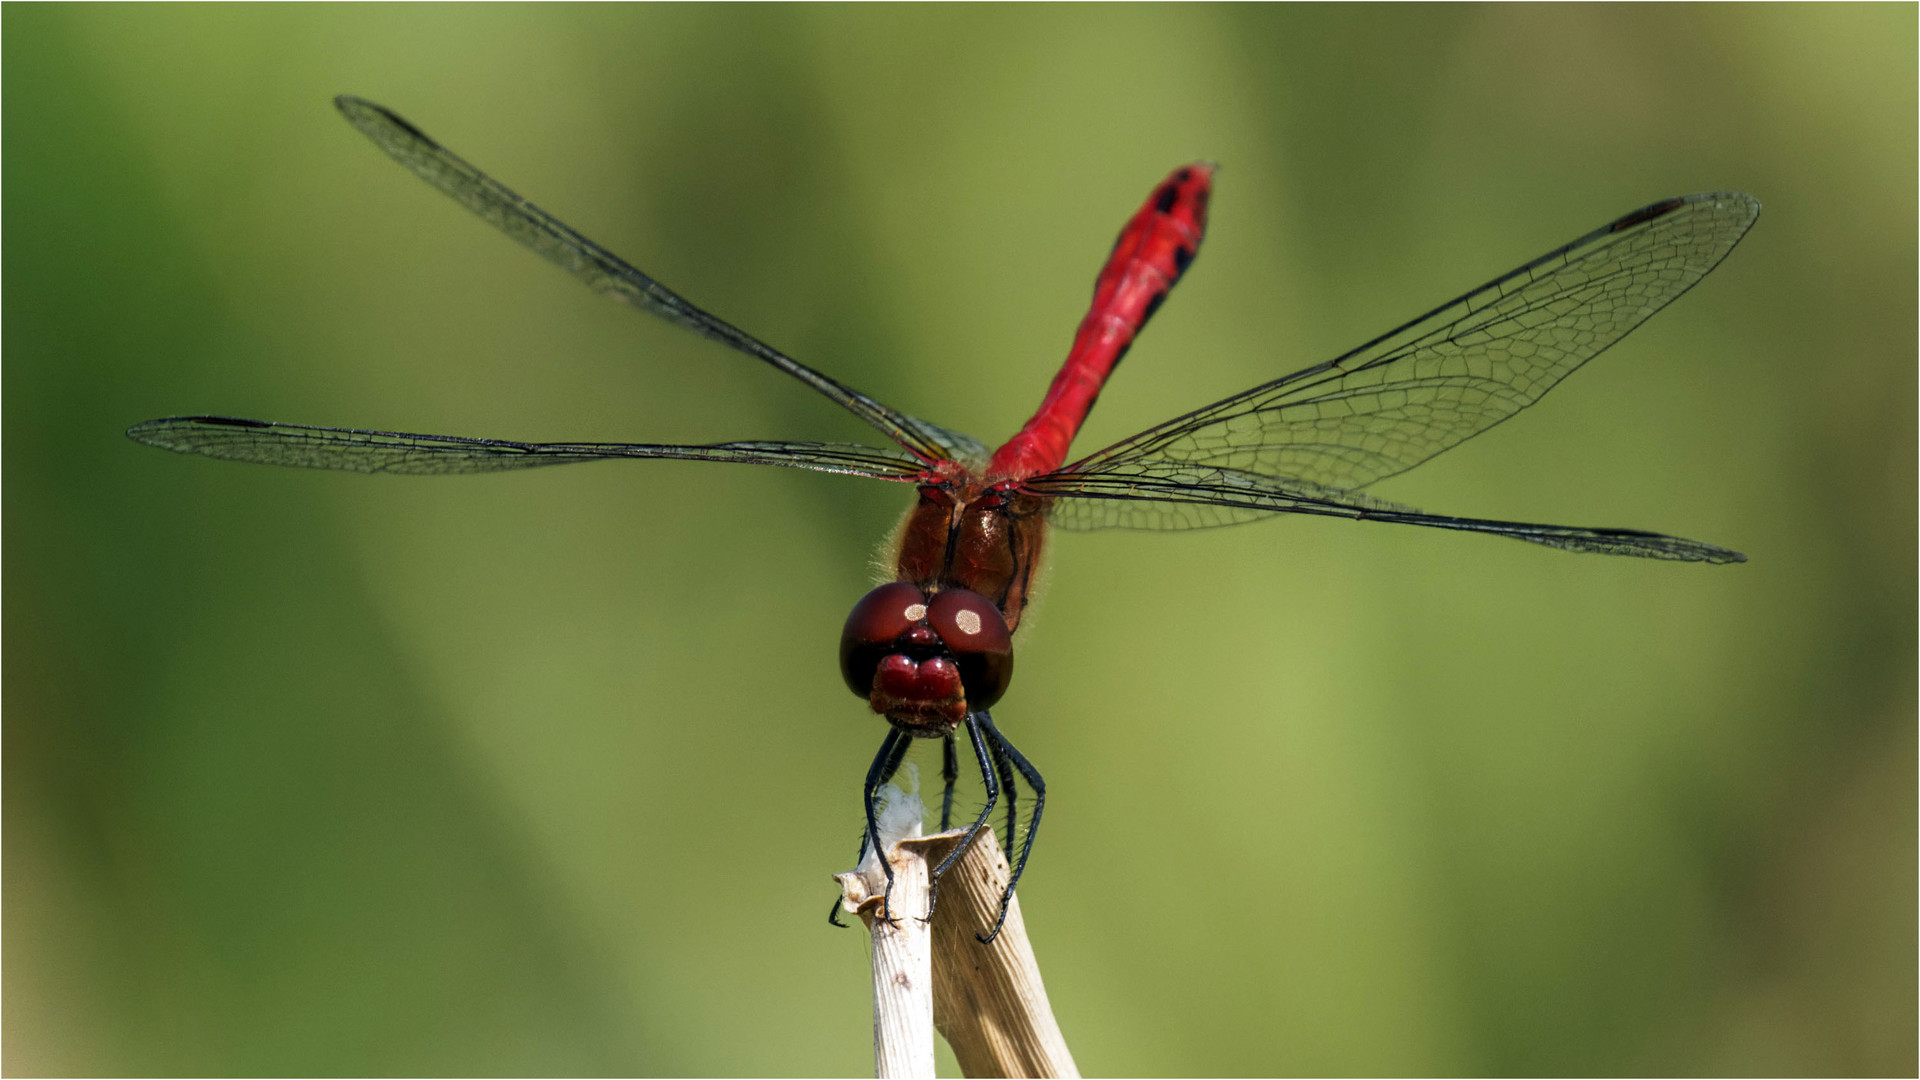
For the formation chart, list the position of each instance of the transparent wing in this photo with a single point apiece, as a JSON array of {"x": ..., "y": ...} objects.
[
  {"x": 607, "y": 273},
  {"x": 266, "y": 443},
  {"x": 1175, "y": 495},
  {"x": 1456, "y": 371}
]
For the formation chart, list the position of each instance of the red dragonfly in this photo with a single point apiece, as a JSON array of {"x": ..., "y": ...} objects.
[{"x": 932, "y": 651}]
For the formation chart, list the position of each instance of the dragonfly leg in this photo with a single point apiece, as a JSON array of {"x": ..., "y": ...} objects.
[
  {"x": 949, "y": 772},
  {"x": 1039, "y": 786},
  {"x": 885, "y": 764},
  {"x": 1005, "y": 768},
  {"x": 974, "y": 722}
]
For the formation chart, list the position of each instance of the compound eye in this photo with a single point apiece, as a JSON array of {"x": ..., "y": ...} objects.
[
  {"x": 976, "y": 635},
  {"x": 876, "y": 622}
]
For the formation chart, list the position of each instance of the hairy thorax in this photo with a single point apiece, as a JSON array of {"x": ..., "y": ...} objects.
[{"x": 965, "y": 534}]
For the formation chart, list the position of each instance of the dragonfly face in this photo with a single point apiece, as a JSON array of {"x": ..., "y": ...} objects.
[
  {"x": 932, "y": 650},
  {"x": 925, "y": 660}
]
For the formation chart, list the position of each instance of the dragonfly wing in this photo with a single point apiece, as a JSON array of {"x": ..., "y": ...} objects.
[
  {"x": 1460, "y": 369},
  {"x": 1176, "y": 495},
  {"x": 607, "y": 273},
  {"x": 352, "y": 450}
]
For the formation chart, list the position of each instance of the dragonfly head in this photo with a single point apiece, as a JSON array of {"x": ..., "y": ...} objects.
[{"x": 924, "y": 661}]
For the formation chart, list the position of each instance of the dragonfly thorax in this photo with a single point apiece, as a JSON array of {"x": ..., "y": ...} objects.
[{"x": 985, "y": 539}]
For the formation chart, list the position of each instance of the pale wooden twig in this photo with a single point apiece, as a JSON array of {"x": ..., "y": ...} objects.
[
  {"x": 902, "y": 962},
  {"x": 987, "y": 999},
  {"x": 902, "y": 942}
]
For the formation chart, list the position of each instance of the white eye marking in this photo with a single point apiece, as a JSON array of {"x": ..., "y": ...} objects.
[
  {"x": 915, "y": 612},
  {"x": 968, "y": 621}
]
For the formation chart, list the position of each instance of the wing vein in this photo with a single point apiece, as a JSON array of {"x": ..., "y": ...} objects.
[{"x": 357, "y": 450}]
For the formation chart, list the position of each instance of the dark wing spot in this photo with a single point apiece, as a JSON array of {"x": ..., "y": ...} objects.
[
  {"x": 1153, "y": 305},
  {"x": 347, "y": 103},
  {"x": 1646, "y": 214},
  {"x": 1182, "y": 258},
  {"x": 1168, "y": 195},
  {"x": 1183, "y": 176},
  {"x": 229, "y": 421}
]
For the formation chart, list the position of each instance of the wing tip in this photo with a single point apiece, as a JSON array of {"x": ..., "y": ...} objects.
[{"x": 143, "y": 431}]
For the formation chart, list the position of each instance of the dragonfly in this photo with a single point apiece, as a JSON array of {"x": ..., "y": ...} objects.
[{"x": 931, "y": 651}]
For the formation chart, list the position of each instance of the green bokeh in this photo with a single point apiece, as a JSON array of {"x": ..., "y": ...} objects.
[{"x": 545, "y": 773}]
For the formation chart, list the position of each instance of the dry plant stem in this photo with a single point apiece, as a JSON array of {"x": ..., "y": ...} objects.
[
  {"x": 902, "y": 963},
  {"x": 988, "y": 1000}
]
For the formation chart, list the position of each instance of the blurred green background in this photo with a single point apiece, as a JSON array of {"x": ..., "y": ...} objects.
[{"x": 546, "y": 772}]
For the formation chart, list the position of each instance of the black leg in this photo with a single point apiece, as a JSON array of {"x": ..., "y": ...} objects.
[
  {"x": 949, "y": 772},
  {"x": 892, "y": 767},
  {"x": 885, "y": 764},
  {"x": 974, "y": 721},
  {"x": 1005, "y": 768},
  {"x": 1039, "y": 787}
]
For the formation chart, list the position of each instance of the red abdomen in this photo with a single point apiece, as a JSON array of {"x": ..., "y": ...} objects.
[{"x": 1152, "y": 252}]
